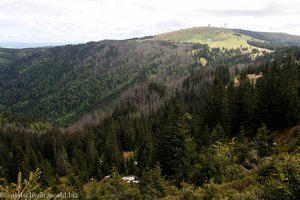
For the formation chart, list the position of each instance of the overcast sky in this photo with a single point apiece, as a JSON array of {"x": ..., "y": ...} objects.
[{"x": 56, "y": 21}]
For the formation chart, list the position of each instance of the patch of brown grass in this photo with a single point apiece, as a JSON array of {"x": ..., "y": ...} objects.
[{"x": 127, "y": 154}]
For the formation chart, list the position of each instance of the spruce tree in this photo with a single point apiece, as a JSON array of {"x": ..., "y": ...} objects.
[{"x": 176, "y": 147}]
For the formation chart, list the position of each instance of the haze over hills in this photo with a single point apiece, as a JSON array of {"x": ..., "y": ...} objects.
[{"x": 21, "y": 45}]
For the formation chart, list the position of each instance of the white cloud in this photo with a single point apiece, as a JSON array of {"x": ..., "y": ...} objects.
[{"x": 86, "y": 20}]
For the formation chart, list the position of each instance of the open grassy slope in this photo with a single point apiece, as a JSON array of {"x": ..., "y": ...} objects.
[
  {"x": 230, "y": 38},
  {"x": 214, "y": 37}
]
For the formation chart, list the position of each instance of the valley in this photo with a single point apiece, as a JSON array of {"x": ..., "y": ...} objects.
[{"x": 199, "y": 113}]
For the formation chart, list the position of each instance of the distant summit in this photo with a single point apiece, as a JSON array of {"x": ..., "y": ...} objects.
[{"x": 231, "y": 38}]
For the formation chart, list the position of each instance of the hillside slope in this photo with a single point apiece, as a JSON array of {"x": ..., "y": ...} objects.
[
  {"x": 214, "y": 37},
  {"x": 231, "y": 38},
  {"x": 213, "y": 139},
  {"x": 62, "y": 84},
  {"x": 58, "y": 83}
]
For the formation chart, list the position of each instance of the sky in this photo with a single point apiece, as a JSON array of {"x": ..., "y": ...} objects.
[{"x": 77, "y": 21}]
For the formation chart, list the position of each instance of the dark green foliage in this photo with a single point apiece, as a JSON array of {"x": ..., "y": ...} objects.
[
  {"x": 62, "y": 162},
  {"x": 112, "y": 150},
  {"x": 145, "y": 146},
  {"x": 264, "y": 142},
  {"x": 127, "y": 135},
  {"x": 176, "y": 148},
  {"x": 152, "y": 184},
  {"x": 280, "y": 177},
  {"x": 117, "y": 189},
  {"x": 281, "y": 83},
  {"x": 263, "y": 45},
  {"x": 214, "y": 109},
  {"x": 274, "y": 39},
  {"x": 59, "y": 153},
  {"x": 60, "y": 83},
  {"x": 241, "y": 104},
  {"x": 211, "y": 132},
  {"x": 158, "y": 88}
]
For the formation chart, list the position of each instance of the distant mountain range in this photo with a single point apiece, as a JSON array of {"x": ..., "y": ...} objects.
[{"x": 21, "y": 45}]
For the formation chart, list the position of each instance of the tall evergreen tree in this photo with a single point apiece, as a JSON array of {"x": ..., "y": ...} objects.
[
  {"x": 62, "y": 161},
  {"x": 176, "y": 148},
  {"x": 242, "y": 103},
  {"x": 214, "y": 110},
  {"x": 113, "y": 155}
]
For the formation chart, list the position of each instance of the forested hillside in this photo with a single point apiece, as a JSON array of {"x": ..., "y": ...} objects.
[
  {"x": 62, "y": 84},
  {"x": 59, "y": 83},
  {"x": 82, "y": 84},
  {"x": 272, "y": 39},
  {"x": 212, "y": 138}
]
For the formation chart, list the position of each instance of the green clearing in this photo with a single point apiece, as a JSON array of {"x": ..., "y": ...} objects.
[{"x": 214, "y": 37}]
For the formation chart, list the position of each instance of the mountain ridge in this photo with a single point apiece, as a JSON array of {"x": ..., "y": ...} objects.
[
  {"x": 170, "y": 114},
  {"x": 231, "y": 38},
  {"x": 254, "y": 34},
  {"x": 64, "y": 83}
]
